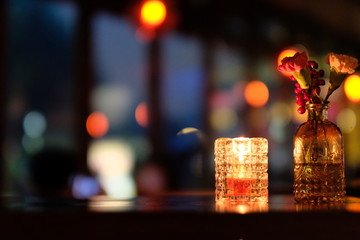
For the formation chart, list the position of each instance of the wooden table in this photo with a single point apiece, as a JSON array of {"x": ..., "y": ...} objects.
[{"x": 183, "y": 215}]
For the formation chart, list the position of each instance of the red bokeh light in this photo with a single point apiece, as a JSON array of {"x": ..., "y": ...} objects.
[{"x": 97, "y": 124}]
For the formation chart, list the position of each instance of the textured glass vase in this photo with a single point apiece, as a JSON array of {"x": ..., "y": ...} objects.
[{"x": 318, "y": 159}]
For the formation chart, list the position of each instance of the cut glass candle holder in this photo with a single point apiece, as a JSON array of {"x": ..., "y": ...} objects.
[{"x": 241, "y": 169}]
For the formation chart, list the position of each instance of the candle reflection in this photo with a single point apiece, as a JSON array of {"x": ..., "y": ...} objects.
[{"x": 242, "y": 208}]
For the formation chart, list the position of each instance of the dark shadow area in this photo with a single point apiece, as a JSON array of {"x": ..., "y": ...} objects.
[{"x": 50, "y": 173}]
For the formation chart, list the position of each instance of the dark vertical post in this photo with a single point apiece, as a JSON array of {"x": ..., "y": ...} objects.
[
  {"x": 3, "y": 92},
  {"x": 208, "y": 68},
  {"x": 156, "y": 127},
  {"x": 83, "y": 82}
]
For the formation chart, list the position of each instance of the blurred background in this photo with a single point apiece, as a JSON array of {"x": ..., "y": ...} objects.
[{"x": 103, "y": 97}]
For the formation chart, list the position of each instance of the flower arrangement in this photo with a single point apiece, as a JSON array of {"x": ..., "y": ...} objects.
[{"x": 308, "y": 79}]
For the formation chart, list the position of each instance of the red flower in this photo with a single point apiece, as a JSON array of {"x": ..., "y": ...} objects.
[{"x": 294, "y": 63}]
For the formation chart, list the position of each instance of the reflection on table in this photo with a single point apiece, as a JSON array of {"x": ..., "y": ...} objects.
[{"x": 179, "y": 215}]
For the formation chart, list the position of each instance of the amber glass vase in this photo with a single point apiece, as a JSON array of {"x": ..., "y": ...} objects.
[{"x": 318, "y": 159}]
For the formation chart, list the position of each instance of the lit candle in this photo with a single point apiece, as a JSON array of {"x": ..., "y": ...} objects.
[{"x": 241, "y": 166}]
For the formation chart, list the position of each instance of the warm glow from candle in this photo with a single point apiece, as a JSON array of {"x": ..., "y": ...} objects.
[
  {"x": 351, "y": 88},
  {"x": 241, "y": 166},
  {"x": 241, "y": 148},
  {"x": 153, "y": 13}
]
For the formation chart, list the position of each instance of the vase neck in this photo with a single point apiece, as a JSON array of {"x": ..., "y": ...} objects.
[{"x": 317, "y": 111}]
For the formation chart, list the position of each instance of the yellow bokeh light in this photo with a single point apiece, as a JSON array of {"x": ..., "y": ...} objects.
[
  {"x": 187, "y": 130},
  {"x": 280, "y": 112},
  {"x": 346, "y": 120},
  {"x": 153, "y": 13},
  {"x": 256, "y": 93},
  {"x": 223, "y": 119},
  {"x": 351, "y": 88}
]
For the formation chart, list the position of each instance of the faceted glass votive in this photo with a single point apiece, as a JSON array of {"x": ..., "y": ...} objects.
[{"x": 241, "y": 166}]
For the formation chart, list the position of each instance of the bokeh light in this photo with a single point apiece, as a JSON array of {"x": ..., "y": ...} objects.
[
  {"x": 223, "y": 119},
  {"x": 141, "y": 114},
  {"x": 346, "y": 120},
  {"x": 237, "y": 93},
  {"x": 153, "y": 13},
  {"x": 151, "y": 179},
  {"x": 110, "y": 157},
  {"x": 256, "y": 93},
  {"x": 85, "y": 187},
  {"x": 114, "y": 101},
  {"x": 280, "y": 112},
  {"x": 34, "y": 124},
  {"x": 32, "y": 145},
  {"x": 186, "y": 139},
  {"x": 280, "y": 116},
  {"x": 277, "y": 131},
  {"x": 351, "y": 88},
  {"x": 258, "y": 120},
  {"x": 187, "y": 130},
  {"x": 97, "y": 124},
  {"x": 223, "y": 99},
  {"x": 112, "y": 161}
]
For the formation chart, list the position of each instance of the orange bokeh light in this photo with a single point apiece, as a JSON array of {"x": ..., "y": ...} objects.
[
  {"x": 153, "y": 13},
  {"x": 141, "y": 114},
  {"x": 256, "y": 93},
  {"x": 97, "y": 124},
  {"x": 286, "y": 53}
]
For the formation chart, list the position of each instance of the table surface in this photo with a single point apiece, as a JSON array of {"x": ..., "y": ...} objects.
[
  {"x": 179, "y": 215},
  {"x": 189, "y": 201}
]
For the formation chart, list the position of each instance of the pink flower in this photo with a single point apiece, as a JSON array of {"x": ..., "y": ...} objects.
[{"x": 294, "y": 64}]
